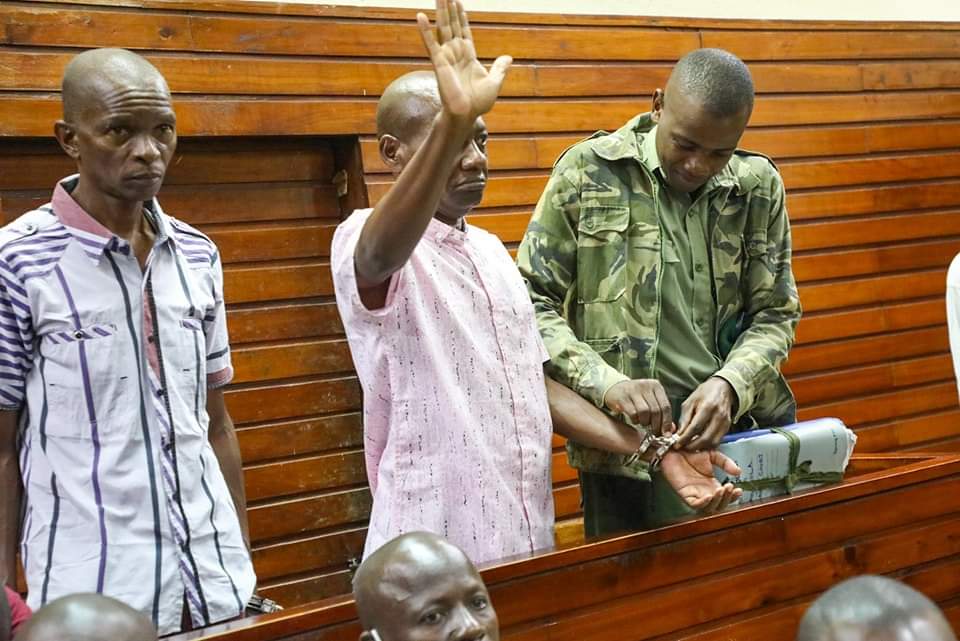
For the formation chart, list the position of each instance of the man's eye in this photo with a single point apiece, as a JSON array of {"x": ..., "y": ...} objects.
[
  {"x": 165, "y": 129},
  {"x": 684, "y": 146},
  {"x": 118, "y": 130},
  {"x": 482, "y": 143},
  {"x": 431, "y": 618},
  {"x": 480, "y": 602}
]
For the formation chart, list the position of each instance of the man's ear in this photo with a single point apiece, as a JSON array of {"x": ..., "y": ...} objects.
[
  {"x": 657, "y": 107},
  {"x": 391, "y": 153},
  {"x": 67, "y": 137}
]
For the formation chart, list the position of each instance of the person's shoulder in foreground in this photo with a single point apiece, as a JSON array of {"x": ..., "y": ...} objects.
[
  {"x": 420, "y": 586},
  {"x": 874, "y": 608},
  {"x": 87, "y": 617}
]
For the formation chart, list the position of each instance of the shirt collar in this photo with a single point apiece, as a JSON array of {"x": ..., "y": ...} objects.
[
  {"x": 92, "y": 235},
  {"x": 648, "y": 152},
  {"x": 440, "y": 232}
]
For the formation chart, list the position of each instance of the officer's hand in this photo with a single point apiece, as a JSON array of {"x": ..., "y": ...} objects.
[
  {"x": 706, "y": 415},
  {"x": 644, "y": 402}
]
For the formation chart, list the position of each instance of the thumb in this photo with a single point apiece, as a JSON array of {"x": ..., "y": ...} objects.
[
  {"x": 724, "y": 462},
  {"x": 498, "y": 70}
]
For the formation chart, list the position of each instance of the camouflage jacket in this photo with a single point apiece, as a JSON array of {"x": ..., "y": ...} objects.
[{"x": 592, "y": 260}]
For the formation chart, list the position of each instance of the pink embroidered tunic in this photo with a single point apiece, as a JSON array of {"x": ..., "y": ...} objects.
[{"x": 457, "y": 430}]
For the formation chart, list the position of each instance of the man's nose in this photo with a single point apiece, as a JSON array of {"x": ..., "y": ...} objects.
[
  {"x": 473, "y": 158},
  {"x": 146, "y": 148},
  {"x": 468, "y": 626}
]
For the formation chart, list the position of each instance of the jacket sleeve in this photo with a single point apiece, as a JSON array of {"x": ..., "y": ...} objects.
[
  {"x": 547, "y": 259},
  {"x": 771, "y": 303}
]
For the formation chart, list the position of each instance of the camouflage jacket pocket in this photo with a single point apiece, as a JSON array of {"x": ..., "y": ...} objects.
[{"x": 602, "y": 253}]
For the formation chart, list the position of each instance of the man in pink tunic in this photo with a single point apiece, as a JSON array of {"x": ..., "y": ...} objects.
[{"x": 457, "y": 412}]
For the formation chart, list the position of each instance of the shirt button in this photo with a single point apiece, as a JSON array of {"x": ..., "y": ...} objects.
[
  {"x": 699, "y": 267},
  {"x": 161, "y": 392},
  {"x": 78, "y": 334},
  {"x": 150, "y": 338}
]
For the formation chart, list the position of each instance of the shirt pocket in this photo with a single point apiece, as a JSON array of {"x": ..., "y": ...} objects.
[
  {"x": 602, "y": 253},
  {"x": 90, "y": 384}
]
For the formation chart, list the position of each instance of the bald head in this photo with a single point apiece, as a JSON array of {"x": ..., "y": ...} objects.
[
  {"x": 408, "y": 106},
  {"x": 87, "y": 617},
  {"x": 873, "y": 608},
  {"x": 715, "y": 79},
  {"x": 96, "y": 74},
  {"x": 420, "y": 586}
]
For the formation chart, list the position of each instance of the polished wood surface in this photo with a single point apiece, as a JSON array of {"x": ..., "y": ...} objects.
[
  {"x": 746, "y": 574},
  {"x": 863, "y": 120}
]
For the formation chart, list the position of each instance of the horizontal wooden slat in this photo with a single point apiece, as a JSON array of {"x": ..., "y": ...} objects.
[
  {"x": 882, "y": 407},
  {"x": 873, "y": 320},
  {"x": 286, "y": 478},
  {"x": 285, "y": 321},
  {"x": 835, "y": 173},
  {"x": 39, "y": 164},
  {"x": 830, "y": 386},
  {"x": 908, "y": 432},
  {"x": 872, "y": 200},
  {"x": 866, "y": 291},
  {"x": 216, "y": 74},
  {"x": 336, "y": 38},
  {"x": 319, "y": 552},
  {"x": 291, "y": 360},
  {"x": 271, "y": 242},
  {"x": 833, "y": 45},
  {"x": 21, "y": 115},
  {"x": 247, "y": 202},
  {"x": 291, "y": 400},
  {"x": 875, "y": 230},
  {"x": 298, "y": 516},
  {"x": 299, "y": 437},
  {"x": 875, "y": 260},
  {"x": 313, "y": 588},
  {"x": 862, "y": 351},
  {"x": 271, "y": 282}
]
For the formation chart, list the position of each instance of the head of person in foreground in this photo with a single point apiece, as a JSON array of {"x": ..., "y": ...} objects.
[
  {"x": 87, "y": 617},
  {"x": 419, "y": 587},
  {"x": 874, "y": 608}
]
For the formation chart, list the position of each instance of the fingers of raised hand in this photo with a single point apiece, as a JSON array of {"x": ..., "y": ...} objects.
[
  {"x": 444, "y": 21},
  {"x": 464, "y": 23},
  {"x": 426, "y": 34},
  {"x": 456, "y": 11}
]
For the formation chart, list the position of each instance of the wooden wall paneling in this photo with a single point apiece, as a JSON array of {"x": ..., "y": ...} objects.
[{"x": 863, "y": 120}]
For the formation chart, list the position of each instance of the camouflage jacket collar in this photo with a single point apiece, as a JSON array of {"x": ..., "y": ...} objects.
[{"x": 625, "y": 143}]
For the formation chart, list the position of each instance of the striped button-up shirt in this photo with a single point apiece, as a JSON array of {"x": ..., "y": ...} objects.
[{"x": 110, "y": 365}]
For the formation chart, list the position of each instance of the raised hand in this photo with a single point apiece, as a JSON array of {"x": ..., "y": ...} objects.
[
  {"x": 690, "y": 474},
  {"x": 467, "y": 90}
]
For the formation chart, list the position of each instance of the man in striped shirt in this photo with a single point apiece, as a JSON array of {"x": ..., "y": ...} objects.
[{"x": 113, "y": 355}]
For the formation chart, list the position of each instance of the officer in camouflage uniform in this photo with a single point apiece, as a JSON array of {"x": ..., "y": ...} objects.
[{"x": 658, "y": 261}]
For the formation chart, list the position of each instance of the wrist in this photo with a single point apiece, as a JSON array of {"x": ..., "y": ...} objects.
[{"x": 452, "y": 125}]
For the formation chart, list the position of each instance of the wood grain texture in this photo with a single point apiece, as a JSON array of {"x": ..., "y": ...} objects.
[{"x": 863, "y": 120}]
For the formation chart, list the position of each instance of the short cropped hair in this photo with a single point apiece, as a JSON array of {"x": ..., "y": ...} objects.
[{"x": 717, "y": 79}]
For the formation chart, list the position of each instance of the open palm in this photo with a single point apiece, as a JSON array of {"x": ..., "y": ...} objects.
[
  {"x": 690, "y": 474},
  {"x": 467, "y": 90}
]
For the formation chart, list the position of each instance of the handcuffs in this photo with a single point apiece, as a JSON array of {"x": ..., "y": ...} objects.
[
  {"x": 662, "y": 444},
  {"x": 262, "y": 605}
]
